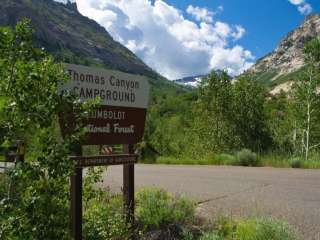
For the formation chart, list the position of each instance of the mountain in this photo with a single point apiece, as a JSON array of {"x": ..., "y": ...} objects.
[
  {"x": 190, "y": 81},
  {"x": 282, "y": 66},
  {"x": 73, "y": 38}
]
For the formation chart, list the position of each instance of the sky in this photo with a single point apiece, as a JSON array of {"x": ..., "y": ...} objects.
[{"x": 181, "y": 38}]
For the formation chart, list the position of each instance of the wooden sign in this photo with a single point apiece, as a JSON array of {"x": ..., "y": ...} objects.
[
  {"x": 124, "y": 99},
  {"x": 117, "y": 159}
]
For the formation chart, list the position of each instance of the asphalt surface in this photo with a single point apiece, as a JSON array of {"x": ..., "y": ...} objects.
[{"x": 292, "y": 195}]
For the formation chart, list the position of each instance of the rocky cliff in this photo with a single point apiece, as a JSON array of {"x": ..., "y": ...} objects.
[{"x": 287, "y": 59}]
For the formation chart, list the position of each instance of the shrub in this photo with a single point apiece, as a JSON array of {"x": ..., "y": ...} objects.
[
  {"x": 296, "y": 163},
  {"x": 38, "y": 204},
  {"x": 225, "y": 227},
  {"x": 247, "y": 230},
  {"x": 211, "y": 236},
  {"x": 265, "y": 229},
  {"x": 3, "y": 185},
  {"x": 225, "y": 159},
  {"x": 246, "y": 157},
  {"x": 251, "y": 229},
  {"x": 104, "y": 220},
  {"x": 156, "y": 208},
  {"x": 187, "y": 234},
  {"x": 103, "y": 211}
]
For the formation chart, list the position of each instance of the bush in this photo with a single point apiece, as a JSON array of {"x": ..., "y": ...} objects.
[
  {"x": 224, "y": 159},
  {"x": 4, "y": 182},
  {"x": 225, "y": 227},
  {"x": 246, "y": 157},
  {"x": 103, "y": 211},
  {"x": 104, "y": 220},
  {"x": 211, "y": 236},
  {"x": 251, "y": 229},
  {"x": 265, "y": 229},
  {"x": 156, "y": 208},
  {"x": 296, "y": 163}
]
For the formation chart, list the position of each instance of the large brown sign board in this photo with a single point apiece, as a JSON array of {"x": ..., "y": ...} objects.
[{"x": 120, "y": 118}]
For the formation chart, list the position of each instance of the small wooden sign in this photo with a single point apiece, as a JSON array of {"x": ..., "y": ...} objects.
[
  {"x": 120, "y": 119},
  {"x": 116, "y": 159}
]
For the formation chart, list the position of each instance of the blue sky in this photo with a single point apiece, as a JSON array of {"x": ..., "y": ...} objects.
[
  {"x": 266, "y": 21},
  {"x": 180, "y": 38}
]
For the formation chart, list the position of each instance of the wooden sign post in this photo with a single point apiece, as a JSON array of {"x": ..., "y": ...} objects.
[
  {"x": 128, "y": 187},
  {"x": 76, "y": 198},
  {"x": 120, "y": 119}
]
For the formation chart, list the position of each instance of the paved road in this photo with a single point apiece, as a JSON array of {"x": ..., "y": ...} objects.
[{"x": 289, "y": 194}]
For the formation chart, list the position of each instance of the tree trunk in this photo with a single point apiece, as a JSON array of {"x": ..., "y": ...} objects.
[{"x": 307, "y": 132}]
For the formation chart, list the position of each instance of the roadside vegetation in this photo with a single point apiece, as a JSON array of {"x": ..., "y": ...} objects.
[{"x": 246, "y": 158}]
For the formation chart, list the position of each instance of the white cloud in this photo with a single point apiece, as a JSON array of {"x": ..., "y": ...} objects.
[
  {"x": 234, "y": 60},
  {"x": 201, "y": 14},
  {"x": 302, "y": 6},
  {"x": 64, "y": 1},
  {"x": 240, "y": 31},
  {"x": 305, "y": 9},
  {"x": 168, "y": 42},
  {"x": 220, "y": 8},
  {"x": 297, "y": 2}
]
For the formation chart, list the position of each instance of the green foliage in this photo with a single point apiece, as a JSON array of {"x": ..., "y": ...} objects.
[
  {"x": 103, "y": 212},
  {"x": 217, "y": 159},
  {"x": 296, "y": 163},
  {"x": 37, "y": 203},
  {"x": 306, "y": 101},
  {"x": 186, "y": 234},
  {"x": 35, "y": 206},
  {"x": 248, "y": 114},
  {"x": 275, "y": 159},
  {"x": 266, "y": 160},
  {"x": 292, "y": 76},
  {"x": 231, "y": 116},
  {"x": 281, "y": 122},
  {"x": 4, "y": 181},
  {"x": 224, "y": 159},
  {"x": 266, "y": 77},
  {"x": 213, "y": 113},
  {"x": 312, "y": 51},
  {"x": 246, "y": 157},
  {"x": 156, "y": 208},
  {"x": 251, "y": 229},
  {"x": 168, "y": 122},
  {"x": 225, "y": 227},
  {"x": 211, "y": 236},
  {"x": 264, "y": 229},
  {"x": 104, "y": 219}
]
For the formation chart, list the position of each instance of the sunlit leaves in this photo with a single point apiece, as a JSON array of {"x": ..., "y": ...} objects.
[{"x": 36, "y": 206}]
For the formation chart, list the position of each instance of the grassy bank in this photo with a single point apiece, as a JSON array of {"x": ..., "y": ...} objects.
[
  {"x": 245, "y": 158},
  {"x": 161, "y": 215}
]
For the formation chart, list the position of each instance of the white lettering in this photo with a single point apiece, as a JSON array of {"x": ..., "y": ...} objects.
[
  {"x": 118, "y": 129},
  {"x": 94, "y": 129}
]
